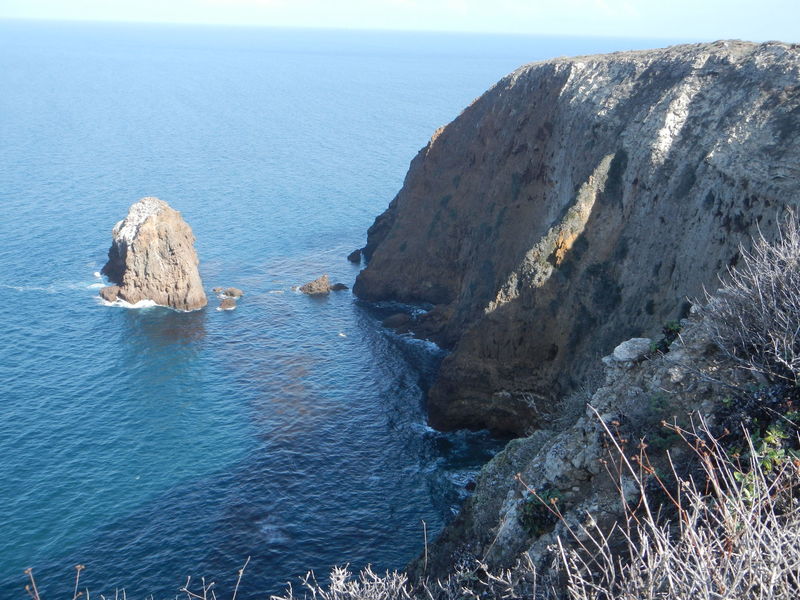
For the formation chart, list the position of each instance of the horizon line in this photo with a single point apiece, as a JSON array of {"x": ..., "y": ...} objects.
[{"x": 673, "y": 40}]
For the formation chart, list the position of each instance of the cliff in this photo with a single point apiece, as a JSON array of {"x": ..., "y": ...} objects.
[
  {"x": 152, "y": 257},
  {"x": 578, "y": 202},
  {"x": 573, "y": 460}
]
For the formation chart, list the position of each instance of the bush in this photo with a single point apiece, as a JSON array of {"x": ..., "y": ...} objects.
[
  {"x": 755, "y": 316},
  {"x": 736, "y": 537}
]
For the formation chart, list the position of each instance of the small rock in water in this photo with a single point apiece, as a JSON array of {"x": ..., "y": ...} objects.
[
  {"x": 318, "y": 287},
  {"x": 230, "y": 292},
  {"x": 355, "y": 256},
  {"x": 339, "y": 287},
  {"x": 227, "y": 304}
]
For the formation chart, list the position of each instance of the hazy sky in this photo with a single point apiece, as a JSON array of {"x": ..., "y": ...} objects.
[{"x": 698, "y": 19}]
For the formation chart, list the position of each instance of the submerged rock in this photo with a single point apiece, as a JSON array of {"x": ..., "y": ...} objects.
[
  {"x": 577, "y": 203},
  {"x": 355, "y": 256},
  {"x": 339, "y": 287},
  {"x": 152, "y": 257}
]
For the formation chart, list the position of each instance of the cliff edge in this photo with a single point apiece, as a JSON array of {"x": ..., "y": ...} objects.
[
  {"x": 152, "y": 257},
  {"x": 578, "y": 202}
]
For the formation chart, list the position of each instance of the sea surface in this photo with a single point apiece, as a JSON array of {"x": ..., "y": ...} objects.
[{"x": 148, "y": 444}]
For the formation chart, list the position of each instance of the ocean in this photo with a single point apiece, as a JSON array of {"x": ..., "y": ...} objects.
[{"x": 148, "y": 444}]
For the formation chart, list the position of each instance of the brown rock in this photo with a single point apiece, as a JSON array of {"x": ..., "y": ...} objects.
[
  {"x": 110, "y": 293},
  {"x": 355, "y": 256},
  {"x": 578, "y": 203},
  {"x": 152, "y": 257},
  {"x": 320, "y": 286},
  {"x": 230, "y": 292},
  {"x": 339, "y": 287},
  {"x": 227, "y": 304}
]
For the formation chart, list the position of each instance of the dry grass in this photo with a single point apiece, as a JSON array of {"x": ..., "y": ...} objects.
[
  {"x": 755, "y": 316},
  {"x": 735, "y": 535}
]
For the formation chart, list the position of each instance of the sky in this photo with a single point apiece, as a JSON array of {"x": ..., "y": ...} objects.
[{"x": 756, "y": 20}]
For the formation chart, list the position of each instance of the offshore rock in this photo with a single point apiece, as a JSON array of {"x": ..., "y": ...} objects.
[
  {"x": 577, "y": 203},
  {"x": 152, "y": 257},
  {"x": 321, "y": 285},
  {"x": 227, "y": 303},
  {"x": 230, "y": 292}
]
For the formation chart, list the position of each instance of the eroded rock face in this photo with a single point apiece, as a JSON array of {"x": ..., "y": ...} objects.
[
  {"x": 152, "y": 257},
  {"x": 578, "y": 203}
]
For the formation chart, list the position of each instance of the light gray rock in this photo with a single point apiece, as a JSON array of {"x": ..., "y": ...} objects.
[
  {"x": 579, "y": 202},
  {"x": 633, "y": 350},
  {"x": 152, "y": 257},
  {"x": 633, "y": 403}
]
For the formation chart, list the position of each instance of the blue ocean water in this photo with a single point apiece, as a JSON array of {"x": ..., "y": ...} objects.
[{"x": 148, "y": 444}]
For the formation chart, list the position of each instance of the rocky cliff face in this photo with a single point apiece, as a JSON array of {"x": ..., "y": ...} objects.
[
  {"x": 152, "y": 257},
  {"x": 569, "y": 460},
  {"x": 579, "y": 202}
]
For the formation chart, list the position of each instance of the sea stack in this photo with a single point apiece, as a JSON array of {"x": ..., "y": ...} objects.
[{"x": 152, "y": 257}]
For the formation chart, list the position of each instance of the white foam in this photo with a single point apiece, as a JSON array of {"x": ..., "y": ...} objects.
[
  {"x": 342, "y": 334},
  {"x": 228, "y": 308},
  {"x": 30, "y": 288},
  {"x": 122, "y": 304},
  {"x": 97, "y": 275},
  {"x": 96, "y": 285}
]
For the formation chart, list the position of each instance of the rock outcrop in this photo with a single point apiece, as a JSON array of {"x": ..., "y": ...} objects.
[
  {"x": 496, "y": 524},
  {"x": 578, "y": 203},
  {"x": 321, "y": 286},
  {"x": 152, "y": 257}
]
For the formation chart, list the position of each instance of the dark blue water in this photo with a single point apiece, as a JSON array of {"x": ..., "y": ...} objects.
[{"x": 150, "y": 445}]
